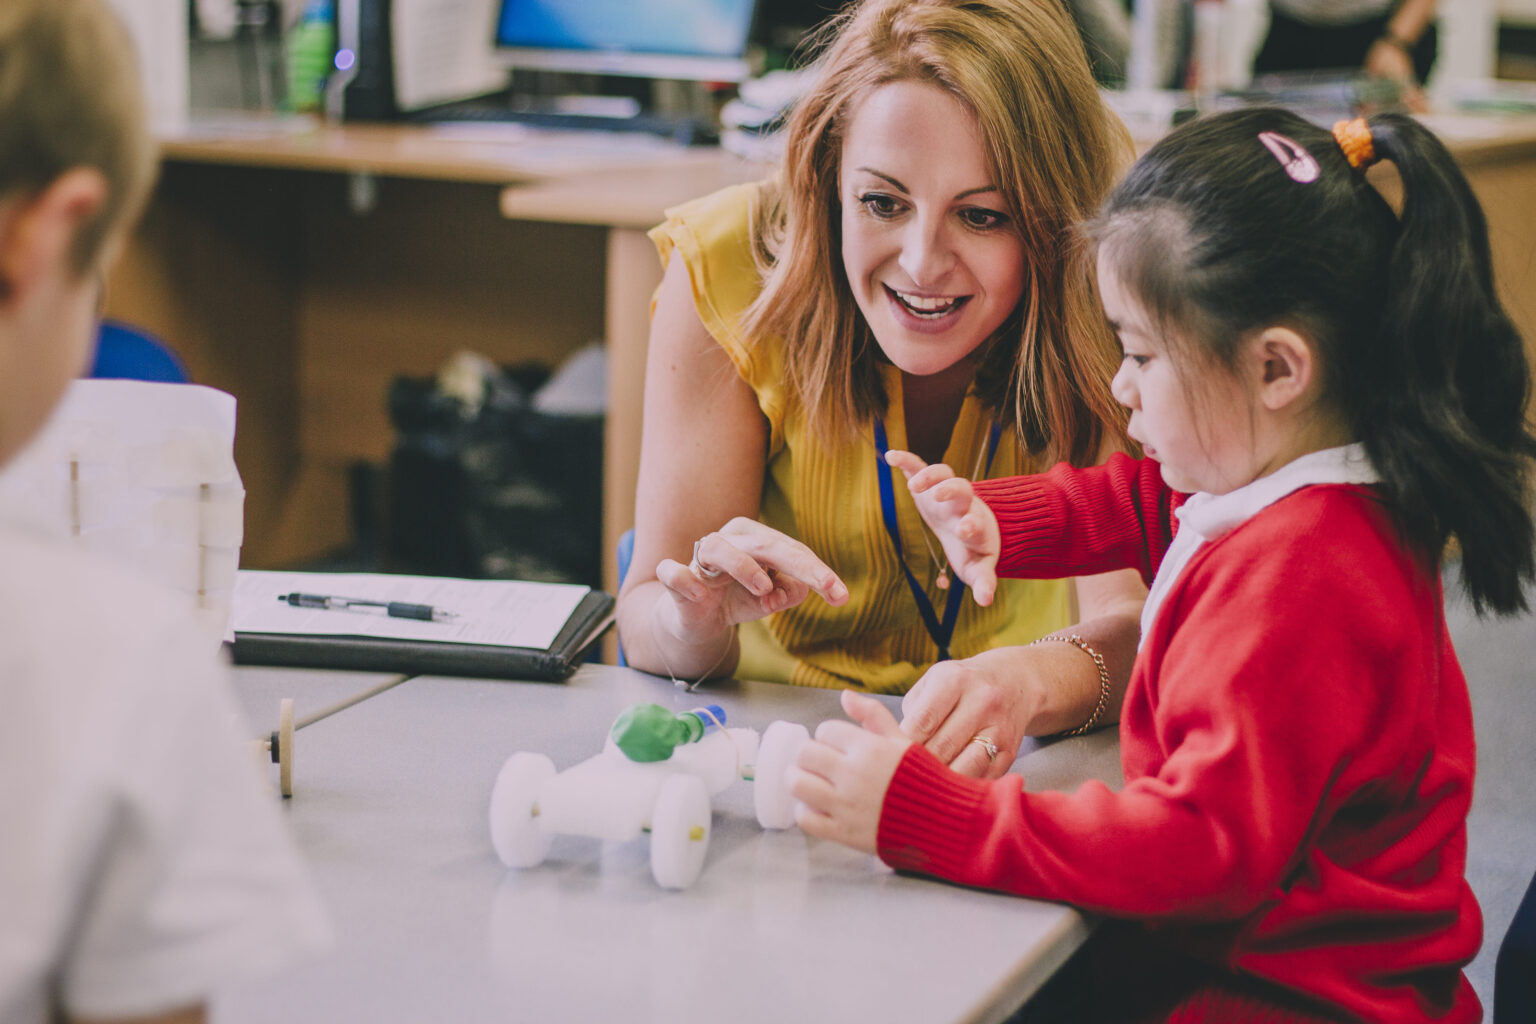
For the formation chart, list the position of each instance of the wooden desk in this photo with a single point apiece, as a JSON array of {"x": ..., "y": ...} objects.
[
  {"x": 253, "y": 263},
  {"x": 390, "y": 806},
  {"x": 302, "y": 267}
]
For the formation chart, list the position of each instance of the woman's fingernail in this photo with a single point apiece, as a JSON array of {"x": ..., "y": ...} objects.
[{"x": 761, "y": 584}]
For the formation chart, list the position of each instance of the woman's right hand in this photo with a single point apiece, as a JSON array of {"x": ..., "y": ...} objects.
[{"x": 741, "y": 572}]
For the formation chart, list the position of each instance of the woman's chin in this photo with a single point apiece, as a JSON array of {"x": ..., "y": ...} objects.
[{"x": 924, "y": 355}]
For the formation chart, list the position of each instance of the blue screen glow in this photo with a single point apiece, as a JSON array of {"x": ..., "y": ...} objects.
[{"x": 705, "y": 28}]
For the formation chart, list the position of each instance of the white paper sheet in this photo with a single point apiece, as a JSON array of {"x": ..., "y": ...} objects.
[
  {"x": 159, "y": 32},
  {"x": 443, "y": 51},
  {"x": 504, "y": 613},
  {"x": 142, "y": 473}
]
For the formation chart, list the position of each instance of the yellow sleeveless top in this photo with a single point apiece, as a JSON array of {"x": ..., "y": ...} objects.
[{"x": 830, "y": 500}]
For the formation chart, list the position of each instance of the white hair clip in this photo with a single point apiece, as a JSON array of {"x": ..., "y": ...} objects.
[{"x": 1298, "y": 163}]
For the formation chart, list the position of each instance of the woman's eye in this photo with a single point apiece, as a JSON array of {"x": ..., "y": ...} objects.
[
  {"x": 880, "y": 205},
  {"x": 1138, "y": 360},
  {"x": 983, "y": 219}
]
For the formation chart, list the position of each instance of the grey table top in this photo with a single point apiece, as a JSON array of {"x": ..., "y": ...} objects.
[{"x": 390, "y": 805}]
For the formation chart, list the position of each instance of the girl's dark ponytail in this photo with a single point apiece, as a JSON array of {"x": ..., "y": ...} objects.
[{"x": 1441, "y": 392}]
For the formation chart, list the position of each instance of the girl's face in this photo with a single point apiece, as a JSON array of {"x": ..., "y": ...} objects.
[
  {"x": 933, "y": 260},
  {"x": 1198, "y": 424}
]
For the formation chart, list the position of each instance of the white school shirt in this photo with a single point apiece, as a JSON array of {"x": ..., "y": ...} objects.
[
  {"x": 143, "y": 863},
  {"x": 1207, "y": 517}
]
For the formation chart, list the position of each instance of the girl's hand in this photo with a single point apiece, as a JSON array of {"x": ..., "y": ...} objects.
[
  {"x": 957, "y": 705},
  {"x": 966, "y": 528},
  {"x": 841, "y": 776},
  {"x": 741, "y": 572}
]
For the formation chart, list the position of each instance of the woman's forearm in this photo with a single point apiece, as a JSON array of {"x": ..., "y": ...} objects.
[
  {"x": 1078, "y": 688},
  {"x": 1411, "y": 20},
  {"x": 652, "y": 646},
  {"x": 1110, "y": 626}
]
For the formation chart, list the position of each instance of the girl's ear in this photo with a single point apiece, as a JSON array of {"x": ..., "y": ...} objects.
[
  {"x": 1284, "y": 365},
  {"x": 37, "y": 231}
]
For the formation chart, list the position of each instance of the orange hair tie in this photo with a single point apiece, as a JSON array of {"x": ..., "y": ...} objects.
[{"x": 1354, "y": 138}]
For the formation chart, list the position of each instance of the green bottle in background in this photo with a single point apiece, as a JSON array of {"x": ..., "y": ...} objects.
[{"x": 311, "y": 49}]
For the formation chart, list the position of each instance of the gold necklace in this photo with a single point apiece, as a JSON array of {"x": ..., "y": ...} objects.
[{"x": 941, "y": 580}]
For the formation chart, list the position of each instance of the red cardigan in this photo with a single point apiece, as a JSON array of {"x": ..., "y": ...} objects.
[{"x": 1296, "y": 742}]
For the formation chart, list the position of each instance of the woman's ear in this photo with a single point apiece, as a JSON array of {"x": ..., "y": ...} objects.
[
  {"x": 1284, "y": 365},
  {"x": 38, "y": 230}
]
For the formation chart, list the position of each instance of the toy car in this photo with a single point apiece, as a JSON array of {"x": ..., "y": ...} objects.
[{"x": 613, "y": 795}]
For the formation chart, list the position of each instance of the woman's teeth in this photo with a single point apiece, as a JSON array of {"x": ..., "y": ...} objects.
[{"x": 925, "y": 306}]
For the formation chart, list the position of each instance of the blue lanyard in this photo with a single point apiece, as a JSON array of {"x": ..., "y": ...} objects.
[{"x": 943, "y": 631}]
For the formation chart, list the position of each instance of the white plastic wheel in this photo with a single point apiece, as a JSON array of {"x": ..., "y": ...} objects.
[
  {"x": 679, "y": 832},
  {"x": 770, "y": 781},
  {"x": 515, "y": 831}
]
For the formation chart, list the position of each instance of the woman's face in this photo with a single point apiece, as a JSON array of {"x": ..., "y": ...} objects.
[{"x": 933, "y": 259}]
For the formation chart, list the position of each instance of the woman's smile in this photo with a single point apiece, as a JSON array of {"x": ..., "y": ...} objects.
[{"x": 927, "y": 313}]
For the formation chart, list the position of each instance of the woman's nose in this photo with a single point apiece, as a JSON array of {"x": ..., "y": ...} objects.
[
  {"x": 1122, "y": 387},
  {"x": 926, "y": 253}
]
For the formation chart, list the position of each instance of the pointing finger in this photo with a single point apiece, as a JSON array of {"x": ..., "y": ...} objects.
[{"x": 905, "y": 461}]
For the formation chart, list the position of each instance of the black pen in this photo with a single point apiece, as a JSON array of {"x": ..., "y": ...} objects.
[{"x": 394, "y": 609}]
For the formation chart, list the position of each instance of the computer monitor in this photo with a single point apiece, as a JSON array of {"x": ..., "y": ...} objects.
[{"x": 700, "y": 40}]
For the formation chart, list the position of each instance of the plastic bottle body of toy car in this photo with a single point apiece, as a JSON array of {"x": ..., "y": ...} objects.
[{"x": 611, "y": 797}]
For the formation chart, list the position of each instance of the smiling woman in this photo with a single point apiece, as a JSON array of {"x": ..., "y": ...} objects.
[{"x": 910, "y": 279}]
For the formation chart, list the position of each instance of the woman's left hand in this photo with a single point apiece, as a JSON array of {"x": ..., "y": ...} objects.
[{"x": 959, "y": 707}]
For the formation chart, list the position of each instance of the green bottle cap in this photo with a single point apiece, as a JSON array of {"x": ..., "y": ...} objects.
[{"x": 650, "y": 732}]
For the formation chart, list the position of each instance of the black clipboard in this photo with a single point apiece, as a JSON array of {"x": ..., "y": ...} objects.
[{"x": 588, "y": 622}]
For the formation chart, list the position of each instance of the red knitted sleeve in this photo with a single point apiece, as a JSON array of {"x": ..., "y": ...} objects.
[{"x": 1074, "y": 522}]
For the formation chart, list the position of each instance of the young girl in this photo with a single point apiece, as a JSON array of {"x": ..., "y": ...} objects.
[{"x": 1326, "y": 394}]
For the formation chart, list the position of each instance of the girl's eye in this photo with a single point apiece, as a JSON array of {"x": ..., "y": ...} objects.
[
  {"x": 880, "y": 205},
  {"x": 1140, "y": 361},
  {"x": 983, "y": 219}
]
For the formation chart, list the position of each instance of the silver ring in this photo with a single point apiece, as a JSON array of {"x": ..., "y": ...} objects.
[
  {"x": 987, "y": 745},
  {"x": 705, "y": 572}
]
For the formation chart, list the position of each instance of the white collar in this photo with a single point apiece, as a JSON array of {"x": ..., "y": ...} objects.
[
  {"x": 1214, "y": 515},
  {"x": 1205, "y": 517}
]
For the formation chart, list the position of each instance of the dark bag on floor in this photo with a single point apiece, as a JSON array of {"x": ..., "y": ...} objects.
[{"x": 494, "y": 489}]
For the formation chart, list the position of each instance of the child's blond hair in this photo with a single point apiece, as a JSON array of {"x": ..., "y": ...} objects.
[{"x": 70, "y": 97}]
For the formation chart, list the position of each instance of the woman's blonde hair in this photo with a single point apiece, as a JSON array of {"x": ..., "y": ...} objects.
[
  {"x": 1056, "y": 150},
  {"x": 70, "y": 97}
]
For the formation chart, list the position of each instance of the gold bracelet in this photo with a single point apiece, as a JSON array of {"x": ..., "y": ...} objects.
[{"x": 1098, "y": 663}]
